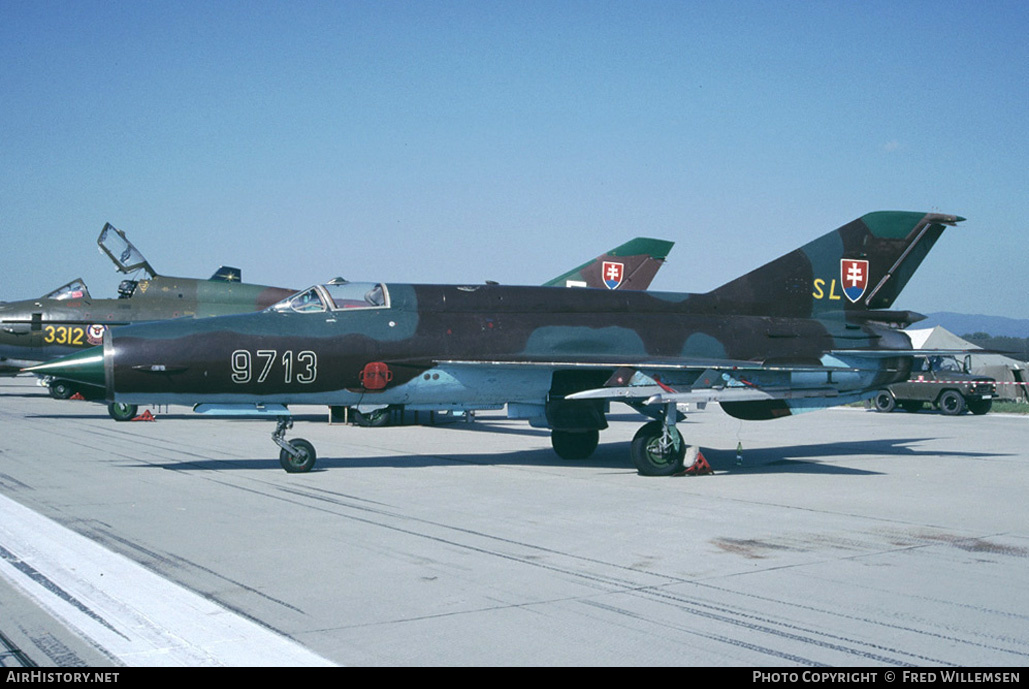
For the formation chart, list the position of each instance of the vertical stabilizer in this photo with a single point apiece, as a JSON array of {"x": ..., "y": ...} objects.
[
  {"x": 631, "y": 266},
  {"x": 863, "y": 265}
]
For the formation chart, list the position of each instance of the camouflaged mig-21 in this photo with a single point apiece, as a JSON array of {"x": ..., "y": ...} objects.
[
  {"x": 806, "y": 331},
  {"x": 69, "y": 319}
]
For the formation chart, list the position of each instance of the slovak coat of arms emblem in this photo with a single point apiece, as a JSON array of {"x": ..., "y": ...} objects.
[{"x": 854, "y": 277}]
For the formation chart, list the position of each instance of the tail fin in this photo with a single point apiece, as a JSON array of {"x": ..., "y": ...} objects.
[
  {"x": 631, "y": 266},
  {"x": 227, "y": 274},
  {"x": 863, "y": 265}
]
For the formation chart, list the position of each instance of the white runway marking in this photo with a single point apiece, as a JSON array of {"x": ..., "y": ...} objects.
[{"x": 135, "y": 616}]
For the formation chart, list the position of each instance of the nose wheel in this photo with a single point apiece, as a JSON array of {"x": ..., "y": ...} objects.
[{"x": 297, "y": 456}]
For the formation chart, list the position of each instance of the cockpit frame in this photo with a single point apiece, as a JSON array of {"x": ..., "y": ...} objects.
[{"x": 334, "y": 296}]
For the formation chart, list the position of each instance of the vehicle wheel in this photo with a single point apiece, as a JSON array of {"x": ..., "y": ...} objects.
[
  {"x": 952, "y": 403},
  {"x": 61, "y": 390},
  {"x": 884, "y": 401},
  {"x": 652, "y": 456},
  {"x": 301, "y": 463},
  {"x": 571, "y": 445},
  {"x": 122, "y": 412},
  {"x": 979, "y": 407},
  {"x": 379, "y": 417},
  {"x": 911, "y": 407}
]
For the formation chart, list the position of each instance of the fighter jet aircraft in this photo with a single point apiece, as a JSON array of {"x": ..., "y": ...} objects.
[
  {"x": 69, "y": 319},
  {"x": 806, "y": 331}
]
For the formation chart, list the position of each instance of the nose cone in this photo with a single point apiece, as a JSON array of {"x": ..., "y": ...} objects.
[{"x": 86, "y": 367}]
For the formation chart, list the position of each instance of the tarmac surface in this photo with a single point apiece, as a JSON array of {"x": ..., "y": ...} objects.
[{"x": 845, "y": 538}]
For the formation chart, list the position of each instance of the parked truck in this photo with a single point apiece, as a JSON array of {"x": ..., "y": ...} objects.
[{"x": 945, "y": 383}]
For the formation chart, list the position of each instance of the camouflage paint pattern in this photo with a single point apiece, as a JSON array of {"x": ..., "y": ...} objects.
[{"x": 786, "y": 324}]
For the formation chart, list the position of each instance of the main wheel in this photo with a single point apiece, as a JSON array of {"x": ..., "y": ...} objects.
[
  {"x": 884, "y": 401},
  {"x": 379, "y": 417},
  {"x": 122, "y": 412},
  {"x": 572, "y": 445},
  {"x": 303, "y": 462},
  {"x": 653, "y": 454},
  {"x": 979, "y": 407},
  {"x": 952, "y": 403},
  {"x": 61, "y": 389}
]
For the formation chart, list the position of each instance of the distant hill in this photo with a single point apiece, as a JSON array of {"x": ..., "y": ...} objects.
[{"x": 962, "y": 324}]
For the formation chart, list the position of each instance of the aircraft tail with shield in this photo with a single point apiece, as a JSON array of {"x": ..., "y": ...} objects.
[
  {"x": 856, "y": 268},
  {"x": 631, "y": 266}
]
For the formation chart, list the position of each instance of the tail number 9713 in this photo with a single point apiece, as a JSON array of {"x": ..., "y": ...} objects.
[{"x": 302, "y": 366}]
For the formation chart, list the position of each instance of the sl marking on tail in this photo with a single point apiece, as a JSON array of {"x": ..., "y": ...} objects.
[{"x": 819, "y": 290}]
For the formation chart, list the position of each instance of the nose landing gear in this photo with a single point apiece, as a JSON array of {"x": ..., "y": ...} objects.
[{"x": 297, "y": 456}]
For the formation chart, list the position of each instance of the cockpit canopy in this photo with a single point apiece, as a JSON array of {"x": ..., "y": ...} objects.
[
  {"x": 76, "y": 289},
  {"x": 127, "y": 258},
  {"x": 336, "y": 295}
]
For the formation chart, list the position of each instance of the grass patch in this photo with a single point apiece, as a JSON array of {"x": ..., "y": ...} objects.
[{"x": 1010, "y": 407}]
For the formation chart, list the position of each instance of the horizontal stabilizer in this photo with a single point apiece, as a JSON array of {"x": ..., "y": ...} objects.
[{"x": 891, "y": 353}]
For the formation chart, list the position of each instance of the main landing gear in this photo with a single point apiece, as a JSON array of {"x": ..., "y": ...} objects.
[
  {"x": 296, "y": 456},
  {"x": 658, "y": 449}
]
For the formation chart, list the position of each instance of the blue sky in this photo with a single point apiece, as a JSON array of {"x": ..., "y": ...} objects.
[{"x": 465, "y": 141}]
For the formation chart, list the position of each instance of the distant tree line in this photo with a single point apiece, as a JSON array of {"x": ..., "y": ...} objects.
[{"x": 1014, "y": 347}]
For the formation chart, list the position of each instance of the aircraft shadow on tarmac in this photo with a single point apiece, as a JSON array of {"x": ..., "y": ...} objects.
[
  {"x": 812, "y": 459},
  {"x": 817, "y": 458}
]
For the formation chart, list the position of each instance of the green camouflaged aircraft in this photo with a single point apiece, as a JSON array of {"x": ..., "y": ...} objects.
[
  {"x": 69, "y": 319},
  {"x": 806, "y": 331}
]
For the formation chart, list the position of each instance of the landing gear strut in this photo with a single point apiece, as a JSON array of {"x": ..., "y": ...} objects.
[
  {"x": 296, "y": 456},
  {"x": 658, "y": 448}
]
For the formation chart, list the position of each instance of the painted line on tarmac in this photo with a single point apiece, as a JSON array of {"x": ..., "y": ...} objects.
[{"x": 135, "y": 616}]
